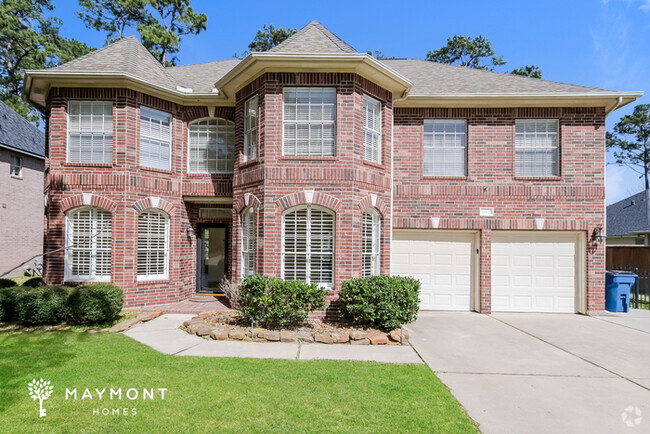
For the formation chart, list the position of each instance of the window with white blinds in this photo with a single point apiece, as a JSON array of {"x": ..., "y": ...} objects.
[
  {"x": 212, "y": 144},
  {"x": 250, "y": 128},
  {"x": 88, "y": 245},
  {"x": 90, "y": 132},
  {"x": 537, "y": 149},
  {"x": 371, "y": 240},
  {"x": 308, "y": 246},
  {"x": 371, "y": 129},
  {"x": 445, "y": 147},
  {"x": 155, "y": 139},
  {"x": 309, "y": 121},
  {"x": 153, "y": 245},
  {"x": 249, "y": 242}
]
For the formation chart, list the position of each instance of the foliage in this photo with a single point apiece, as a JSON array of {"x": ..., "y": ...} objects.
[
  {"x": 112, "y": 16},
  {"x": 42, "y": 305},
  {"x": 385, "y": 302},
  {"x": 7, "y": 283},
  {"x": 231, "y": 290},
  {"x": 266, "y": 38},
  {"x": 272, "y": 302},
  {"x": 378, "y": 54},
  {"x": 467, "y": 51},
  {"x": 33, "y": 282},
  {"x": 532, "y": 71},
  {"x": 96, "y": 303},
  {"x": 630, "y": 141},
  {"x": 8, "y": 303}
]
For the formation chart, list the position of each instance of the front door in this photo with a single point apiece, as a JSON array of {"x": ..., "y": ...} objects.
[{"x": 212, "y": 257}]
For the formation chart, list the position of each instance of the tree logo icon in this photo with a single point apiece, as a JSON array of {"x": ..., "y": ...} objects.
[
  {"x": 40, "y": 390},
  {"x": 632, "y": 416}
]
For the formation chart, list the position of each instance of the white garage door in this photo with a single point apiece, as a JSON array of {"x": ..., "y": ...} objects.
[
  {"x": 534, "y": 272},
  {"x": 441, "y": 261}
]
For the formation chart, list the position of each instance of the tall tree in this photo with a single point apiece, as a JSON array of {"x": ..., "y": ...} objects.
[
  {"x": 466, "y": 51},
  {"x": 112, "y": 16},
  {"x": 162, "y": 30},
  {"x": 266, "y": 38},
  {"x": 528, "y": 71},
  {"x": 378, "y": 54},
  {"x": 630, "y": 141},
  {"x": 29, "y": 40}
]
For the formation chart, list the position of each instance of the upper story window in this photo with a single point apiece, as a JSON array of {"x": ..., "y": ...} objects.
[
  {"x": 16, "y": 166},
  {"x": 88, "y": 245},
  {"x": 309, "y": 121},
  {"x": 371, "y": 243},
  {"x": 250, "y": 128},
  {"x": 445, "y": 147},
  {"x": 537, "y": 149},
  {"x": 155, "y": 139},
  {"x": 249, "y": 242},
  {"x": 90, "y": 132},
  {"x": 212, "y": 144},
  {"x": 371, "y": 129},
  {"x": 153, "y": 245}
]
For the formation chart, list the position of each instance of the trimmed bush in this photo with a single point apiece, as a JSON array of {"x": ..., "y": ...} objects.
[
  {"x": 96, "y": 303},
  {"x": 384, "y": 302},
  {"x": 42, "y": 305},
  {"x": 34, "y": 282},
  {"x": 275, "y": 303},
  {"x": 8, "y": 302},
  {"x": 7, "y": 283}
]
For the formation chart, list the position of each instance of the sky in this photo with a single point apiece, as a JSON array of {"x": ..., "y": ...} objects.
[{"x": 599, "y": 43}]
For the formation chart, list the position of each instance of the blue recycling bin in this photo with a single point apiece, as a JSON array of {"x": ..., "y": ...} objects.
[{"x": 617, "y": 290}]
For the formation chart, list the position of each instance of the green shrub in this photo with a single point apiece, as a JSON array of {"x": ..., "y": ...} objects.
[
  {"x": 42, "y": 305},
  {"x": 34, "y": 282},
  {"x": 272, "y": 302},
  {"x": 8, "y": 303},
  {"x": 384, "y": 302},
  {"x": 7, "y": 283},
  {"x": 96, "y": 303}
]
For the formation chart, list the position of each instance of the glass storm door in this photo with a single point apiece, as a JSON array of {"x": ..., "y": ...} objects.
[{"x": 212, "y": 258}]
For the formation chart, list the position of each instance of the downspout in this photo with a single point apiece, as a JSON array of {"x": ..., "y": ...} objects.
[{"x": 392, "y": 165}]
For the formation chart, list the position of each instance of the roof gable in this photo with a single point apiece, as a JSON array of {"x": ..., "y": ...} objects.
[
  {"x": 313, "y": 39},
  {"x": 18, "y": 133}
]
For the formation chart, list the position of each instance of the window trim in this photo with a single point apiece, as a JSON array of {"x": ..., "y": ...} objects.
[
  {"x": 171, "y": 127},
  {"x": 189, "y": 146},
  {"x": 456, "y": 176},
  {"x": 309, "y": 207},
  {"x": 167, "y": 250},
  {"x": 67, "y": 136},
  {"x": 375, "y": 257},
  {"x": 559, "y": 175},
  {"x": 249, "y": 211},
  {"x": 20, "y": 166},
  {"x": 256, "y": 130},
  {"x": 283, "y": 155},
  {"x": 379, "y": 132},
  {"x": 67, "y": 269}
]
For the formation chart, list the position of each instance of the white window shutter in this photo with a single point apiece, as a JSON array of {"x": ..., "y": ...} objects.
[
  {"x": 445, "y": 147},
  {"x": 153, "y": 246},
  {"x": 155, "y": 139},
  {"x": 88, "y": 245},
  {"x": 537, "y": 150},
  {"x": 90, "y": 132},
  {"x": 371, "y": 129},
  {"x": 309, "y": 121},
  {"x": 371, "y": 243},
  {"x": 250, "y": 128},
  {"x": 249, "y": 242},
  {"x": 212, "y": 144}
]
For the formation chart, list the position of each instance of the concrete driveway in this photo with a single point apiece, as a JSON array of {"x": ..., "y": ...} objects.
[{"x": 529, "y": 373}]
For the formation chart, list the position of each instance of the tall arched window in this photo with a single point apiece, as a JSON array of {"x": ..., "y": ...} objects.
[
  {"x": 153, "y": 245},
  {"x": 370, "y": 243},
  {"x": 211, "y": 146},
  {"x": 308, "y": 245},
  {"x": 249, "y": 242},
  {"x": 88, "y": 245}
]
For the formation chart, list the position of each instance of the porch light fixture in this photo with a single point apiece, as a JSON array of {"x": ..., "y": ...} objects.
[
  {"x": 597, "y": 235},
  {"x": 189, "y": 231}
]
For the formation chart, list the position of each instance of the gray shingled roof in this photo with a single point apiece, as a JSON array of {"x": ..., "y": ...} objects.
[
  {"x": 201, "y": 76},
  {"x": 18, "y": 133},
  {"x": 629, "y": 215},
  {"x": 313, "y": 39}
]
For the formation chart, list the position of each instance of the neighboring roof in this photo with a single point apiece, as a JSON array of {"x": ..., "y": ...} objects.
[
  {"x": 18, "y": 133},
  {"x": 630, "y": 215},
  {"x": 200, "y": 77},
  {"x": 313, "y": 39}
]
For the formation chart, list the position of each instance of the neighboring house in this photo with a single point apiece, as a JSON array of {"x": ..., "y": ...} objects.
[
  {"x": 313, "y": 161},
  {"x": 22, "y": 161},
  {"x": 628, "y": 220}
]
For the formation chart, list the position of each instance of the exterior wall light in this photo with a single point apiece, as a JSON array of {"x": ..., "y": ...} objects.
[{"x": 597, "y": 235}]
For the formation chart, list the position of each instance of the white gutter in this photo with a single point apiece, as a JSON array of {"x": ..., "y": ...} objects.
[{"x": 615, "y": 106}]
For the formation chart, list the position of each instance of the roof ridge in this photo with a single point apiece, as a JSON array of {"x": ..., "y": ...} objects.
[
  {"x": 202, "y": 63},
  {"x": 330, "y": 35},
  {"x": 92, "y": 53}
]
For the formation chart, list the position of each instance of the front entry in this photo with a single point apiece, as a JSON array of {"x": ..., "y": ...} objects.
[{"x": 212, "y": 257}]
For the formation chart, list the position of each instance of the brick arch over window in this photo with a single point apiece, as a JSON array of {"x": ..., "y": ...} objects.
[
  {"x": 309, "y": 197},
  {"x": 88, "y": 199},
  {"x": 154, "y": 203},
  {"x": 372, "y": 201},
  {"x": 247, "y": 200}
]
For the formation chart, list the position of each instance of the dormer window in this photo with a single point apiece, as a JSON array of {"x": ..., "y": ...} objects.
[{"x": 309, "y": 121}]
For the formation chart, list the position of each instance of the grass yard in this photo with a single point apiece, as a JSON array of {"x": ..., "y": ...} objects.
[
  {"x": 21, "y": 279},
  {"x": 210, "y": 394}
]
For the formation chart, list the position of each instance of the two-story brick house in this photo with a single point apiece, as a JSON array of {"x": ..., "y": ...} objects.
[{"x": 313, "y": 161}]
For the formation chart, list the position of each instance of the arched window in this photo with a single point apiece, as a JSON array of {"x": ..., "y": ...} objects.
[
  {"x": 371, "y": 243},
  {"x": 308, "y": 245},
  {"x": 249, "y": 242},
  {"x": 212, "y": 144},
  {"x": 88, "y": 245},
  {"x": 153, "y": 245}
]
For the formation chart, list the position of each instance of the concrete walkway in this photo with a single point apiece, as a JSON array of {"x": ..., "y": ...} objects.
[
  {"x": 530, "y": 373},
  {"x": 163, "y": 334}
]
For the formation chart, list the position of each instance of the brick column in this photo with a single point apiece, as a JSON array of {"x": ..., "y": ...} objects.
[{"x": 485, "y": 271}]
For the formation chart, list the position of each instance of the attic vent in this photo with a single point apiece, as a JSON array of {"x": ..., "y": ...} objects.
[
  {"x": 215, "y": 213},
  {"x": 184, "y": 89}
]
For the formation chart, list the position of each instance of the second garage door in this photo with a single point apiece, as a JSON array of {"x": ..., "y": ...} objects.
[
  {"x": 441, "y": 261},
  {"x": 534, "y": 272}
]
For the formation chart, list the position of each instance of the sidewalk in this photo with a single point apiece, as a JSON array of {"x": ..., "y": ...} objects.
[{"x": 163, "y": 334}]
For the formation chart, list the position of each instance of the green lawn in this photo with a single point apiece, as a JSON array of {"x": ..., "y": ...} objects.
[
  {"x": 21, "y": 279},
  {"x": 214, "y": 394}
]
